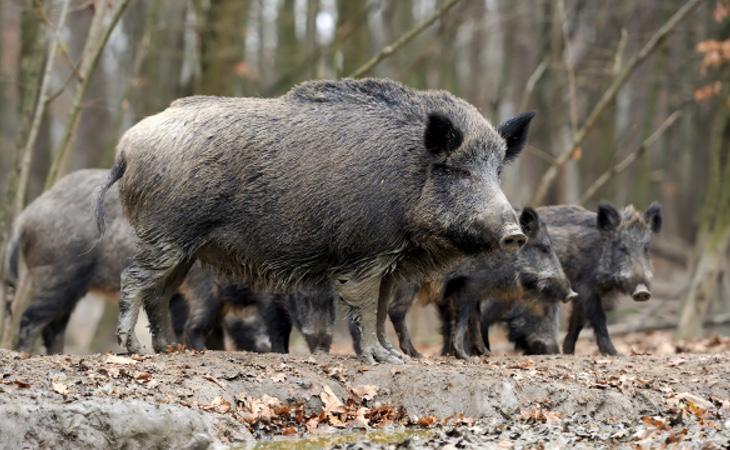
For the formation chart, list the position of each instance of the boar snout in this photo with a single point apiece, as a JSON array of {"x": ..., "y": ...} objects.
[
  {"x": 513, "y": 239},
  {"x": 641, "y": 293}
]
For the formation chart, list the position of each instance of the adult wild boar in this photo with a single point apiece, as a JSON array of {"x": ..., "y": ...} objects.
[
  {"x": 334, "y": 183},
  {"x": 604, "y": 254}
]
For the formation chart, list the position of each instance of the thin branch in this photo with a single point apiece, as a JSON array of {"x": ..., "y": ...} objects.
[
  {"x": 608, "y": 96},
  {"x": 92, "y": 52},
  {"x": 569, "y": 67},
  {"x": 388, "y": 50},
  {"x": 532, "y": 82},
  {"x": 64, "y": 85},
  {"x": 27, "y": 151},
  {"x": 633, "y": 156}
]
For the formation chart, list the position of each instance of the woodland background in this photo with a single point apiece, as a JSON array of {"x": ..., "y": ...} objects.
[{"x": 633, "y": 94}]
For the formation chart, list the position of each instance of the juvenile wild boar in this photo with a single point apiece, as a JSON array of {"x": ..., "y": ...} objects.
[
  {"x": 532, "y": 326},
  {"x": 533, "y": 274},
  {"x": 334, "y": 183},
  {"x": 604, "y": 254},
  {"x": 218, "y": 308},
  {"x": 312, "y": 312}
]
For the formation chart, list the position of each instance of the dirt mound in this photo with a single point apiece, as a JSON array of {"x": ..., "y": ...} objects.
[{"x": 199, "y": 400}]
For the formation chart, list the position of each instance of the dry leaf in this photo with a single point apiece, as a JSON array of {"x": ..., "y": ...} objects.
[
  {"x": 330, "y": 401},
  {"x": 219, "y": 404},
  {"x": 427, "y": 421},
  {"x": 114, "y": 359},
  {"x": 289, "y": 431},
  {"x": 365, "y": 392},
  {"x": 213, "y": 379},
  {"x": 311, "y": 424}
]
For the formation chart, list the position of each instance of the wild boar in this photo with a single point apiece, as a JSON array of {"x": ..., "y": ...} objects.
[{"x": 334, "y": 183}]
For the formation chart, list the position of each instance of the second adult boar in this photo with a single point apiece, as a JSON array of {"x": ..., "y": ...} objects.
[{"x": 334, "y": 183}]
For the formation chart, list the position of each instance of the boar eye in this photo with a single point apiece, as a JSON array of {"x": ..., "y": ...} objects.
[
  {"x": 454, "y": 171},
  {"x": 623, "y": 249}
]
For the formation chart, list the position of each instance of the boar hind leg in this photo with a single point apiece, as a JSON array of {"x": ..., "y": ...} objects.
[
  {"x": 48, "y": 304},
  {"x": 363, "y": 297},
  {"x": 54, "y": 334},
  {"x": 150, "y": 280}
]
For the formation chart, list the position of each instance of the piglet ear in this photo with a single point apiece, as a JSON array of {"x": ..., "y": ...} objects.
[
  {"x": 530, "y": 222},
  {"x": 514, "y": 132},
  {"x": 441, "y": 135},
  {"x": 608, "y": 218},
  {"x": 653, "y": 216}
]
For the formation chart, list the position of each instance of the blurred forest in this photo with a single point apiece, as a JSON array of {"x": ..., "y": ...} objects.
[{"x": 633, "y": 98}]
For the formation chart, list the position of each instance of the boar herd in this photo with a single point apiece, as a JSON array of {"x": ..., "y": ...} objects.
[{"x": 247, "y": 217}]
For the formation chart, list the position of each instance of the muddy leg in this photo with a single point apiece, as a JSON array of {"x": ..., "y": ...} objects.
[
  {"x": 575, "y": 325},
  {"x": 363, "y": 297},
  {"x": 150, "y": 279}
]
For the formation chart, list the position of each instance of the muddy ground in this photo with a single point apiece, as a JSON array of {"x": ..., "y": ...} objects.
[{"x": 227, "y": 399}]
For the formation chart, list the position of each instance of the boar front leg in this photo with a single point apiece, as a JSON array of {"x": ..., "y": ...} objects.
[{"x": 363, "y": 297}]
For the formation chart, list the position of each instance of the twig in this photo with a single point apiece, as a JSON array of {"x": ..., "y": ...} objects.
[
  {"x": 569, "y": 68},
  {"x": 532, "y": 82},
  {"x": 388, "y": 50},
  {"x": 64, "y": 85},
  {"x": 608, "y": 96},
  {"x": 92, "y": 52},
  {"x": 27, "y": 151},
  {"x": 633, "y": 156}
]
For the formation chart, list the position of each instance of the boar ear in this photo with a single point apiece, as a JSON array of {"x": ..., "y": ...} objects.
[
  {"x": 514, "y": 132},
  {"x": 530, "y": 222},
  {"x": 608, "y": 218},
  {"x": 653, "y": 216},
  {"x": 441, "y": 135}
]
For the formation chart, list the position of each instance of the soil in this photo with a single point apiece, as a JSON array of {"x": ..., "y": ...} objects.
[{"x": 237, "y": 399}]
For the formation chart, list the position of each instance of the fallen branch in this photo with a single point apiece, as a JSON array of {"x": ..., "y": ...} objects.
[
  {"x": 606, "y": 176},
  {"x": 608, "y": 96},
  {"x": 95, "y": 43},
  {"x": 390, "y": 49}
]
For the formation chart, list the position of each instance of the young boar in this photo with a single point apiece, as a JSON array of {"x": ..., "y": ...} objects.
[
  {"x": 336, "y": 183},
  {"x": 533, "y": 274},
  {"x": 312, "y": 312},
  {"x": 532, "y": 326},
  {"x": 604, "y": 254}
]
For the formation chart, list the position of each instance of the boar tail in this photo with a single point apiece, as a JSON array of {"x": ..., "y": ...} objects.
[
  {"x": 115, "y": 173},
  {"x": 12, "y": 260}
]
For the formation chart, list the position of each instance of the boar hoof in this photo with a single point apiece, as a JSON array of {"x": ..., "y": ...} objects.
[
  {"x": 379, "y": 354},
  {"x": 130, "y": 342}
]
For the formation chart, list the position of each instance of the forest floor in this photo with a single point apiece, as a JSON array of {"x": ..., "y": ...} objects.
[{"x": 243, "y": 400}]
